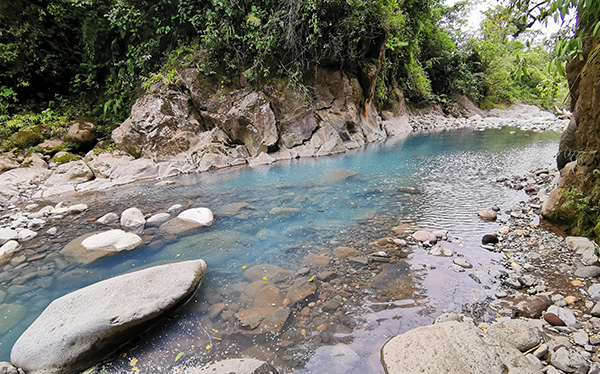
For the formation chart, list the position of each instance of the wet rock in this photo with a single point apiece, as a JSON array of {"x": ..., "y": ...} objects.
[
  {"x": 175, "y": 209},
  {"x": 569, "y": 361},
  {"x": 440, "y": 234},
  {"x": 588, "y": 272},
  {"x": 178, "y": 226},
  {"x": 332, "y": 176},
  {"x": 315, "y": 260},
  {"x": 463, "y": 263},
  {"x": 201, "y": 216},
  {"x": 74, "y": 251},
  {"x": 345, "y": 252},
  {"x": 79, "y": 328},
  {"x": 272, "y": 273},
  {"x": 359, "y": 259},
  {"x": 300, "y": 290},
  {"x": 284, "y": 210},
  {"x": 487, "y": 215},
  {"x": 489, "y": 239},
  {"x": 11, "y": 314},
  {"x": 331, "y": 305},
  {"x": 458, "y": 348},
  {"x": 425, "y": 236},
  {"x": 268, "y": 296},
  {"x": 236, "y": 366},
  {"x": 263, "y": 319},
  {"x": 215, "y": 310},
  {"x": 133, "y": 220},
  {"x": 112, "y": 241},
  {"x": 441, "y": 251},
  {"x": 158, "y": 219},
  {"x": 108, "y": 219},
  {"x": 522, "y": 334}
]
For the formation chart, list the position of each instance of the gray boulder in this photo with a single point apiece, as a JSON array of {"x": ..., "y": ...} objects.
[
  {"x": 113, "y": 241},
  {"x": 82, "y": 327},
  {"x": 158, "y": 219},
  {"x": 133, "y": 220},
  {"x": 236, "y": 366},
  {"x": 452, "y": 348},
  {"x": 8, "y": 162},
  {"x": 82, "y": 131}
]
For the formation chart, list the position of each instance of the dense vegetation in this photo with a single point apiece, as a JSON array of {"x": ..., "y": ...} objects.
[{"x": 92, "y": 57}]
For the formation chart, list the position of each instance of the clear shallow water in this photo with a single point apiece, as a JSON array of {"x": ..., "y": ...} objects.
[{"x": 437, "y": 181}]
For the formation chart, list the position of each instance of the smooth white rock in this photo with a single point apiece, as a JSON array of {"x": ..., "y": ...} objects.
[
  {"x": 133, "y": 220},
  {"x": 112, "y": 240},
  {"x": 203, "y": 216}
]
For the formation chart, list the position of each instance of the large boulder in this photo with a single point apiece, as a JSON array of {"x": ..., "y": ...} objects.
[
  {"x": 82, "y": 327},
  {"x": 82, "y": 132},
  {"x": 133, "y": 220},
  {"x": 88, "y": 248},
  {"x": 159, "y": 127},
  {"x": 452, "y": 348}
]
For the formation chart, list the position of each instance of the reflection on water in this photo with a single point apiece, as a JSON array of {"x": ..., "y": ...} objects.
[{"x": 278, "y": 214}]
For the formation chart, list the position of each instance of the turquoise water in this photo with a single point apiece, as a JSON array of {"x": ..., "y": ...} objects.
[{"x": 436, "y": 181}]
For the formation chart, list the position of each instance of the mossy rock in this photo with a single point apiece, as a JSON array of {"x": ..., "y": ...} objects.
[
  {"x": 26, "y": 138},
  {"x": 64, "y": 157}
]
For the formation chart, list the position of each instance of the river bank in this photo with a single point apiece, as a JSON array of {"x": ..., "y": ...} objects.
[{"x": 377, "y": 238}]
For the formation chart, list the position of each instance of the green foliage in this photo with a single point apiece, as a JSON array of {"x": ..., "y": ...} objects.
[
  {"x": 514, "y": 71},
  {"x": 97, "y": 53}
]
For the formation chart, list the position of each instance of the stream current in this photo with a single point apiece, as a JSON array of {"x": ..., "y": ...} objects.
[{"x": 280, "y": 213}]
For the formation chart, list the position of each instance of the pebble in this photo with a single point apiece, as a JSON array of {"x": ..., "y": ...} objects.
[{"x": 52, "y": 231}]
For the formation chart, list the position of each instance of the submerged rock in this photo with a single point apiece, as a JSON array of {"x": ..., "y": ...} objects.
[
  {"x": 11, "y": 314},
  {"x": 236, "y": 366},
  {"x": 487, "y": 215},
  {"x": 82, "y": 327}
]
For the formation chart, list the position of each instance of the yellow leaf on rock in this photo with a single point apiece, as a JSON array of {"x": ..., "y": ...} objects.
[
  {"x": 134, "y": 368},
  {"x": 245, "y": 266},
  {"x": 178, "y": 356},
  {"x": 208, "y": 347},
  {"x": 484, "y": 328},
  {"x": 576, "y": 282},
  {"x": 264, "y": 278},
  {"x": 133, "y": 361}
]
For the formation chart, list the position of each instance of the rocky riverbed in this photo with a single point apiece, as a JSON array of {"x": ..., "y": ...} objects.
[{"x": 279, "y": 314}]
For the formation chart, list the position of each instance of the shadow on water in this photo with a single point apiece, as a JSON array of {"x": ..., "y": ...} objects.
[{"x": 281, "y": 213}]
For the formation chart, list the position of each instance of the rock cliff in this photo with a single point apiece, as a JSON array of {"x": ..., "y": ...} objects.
[
  {"x": 574, "y": 203},
  {"x": 209, "y": 126}
]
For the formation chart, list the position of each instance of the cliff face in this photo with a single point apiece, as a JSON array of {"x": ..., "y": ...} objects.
[
  {"x": 574, "y": 204},
  {"x": 210, "y": 127}
]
